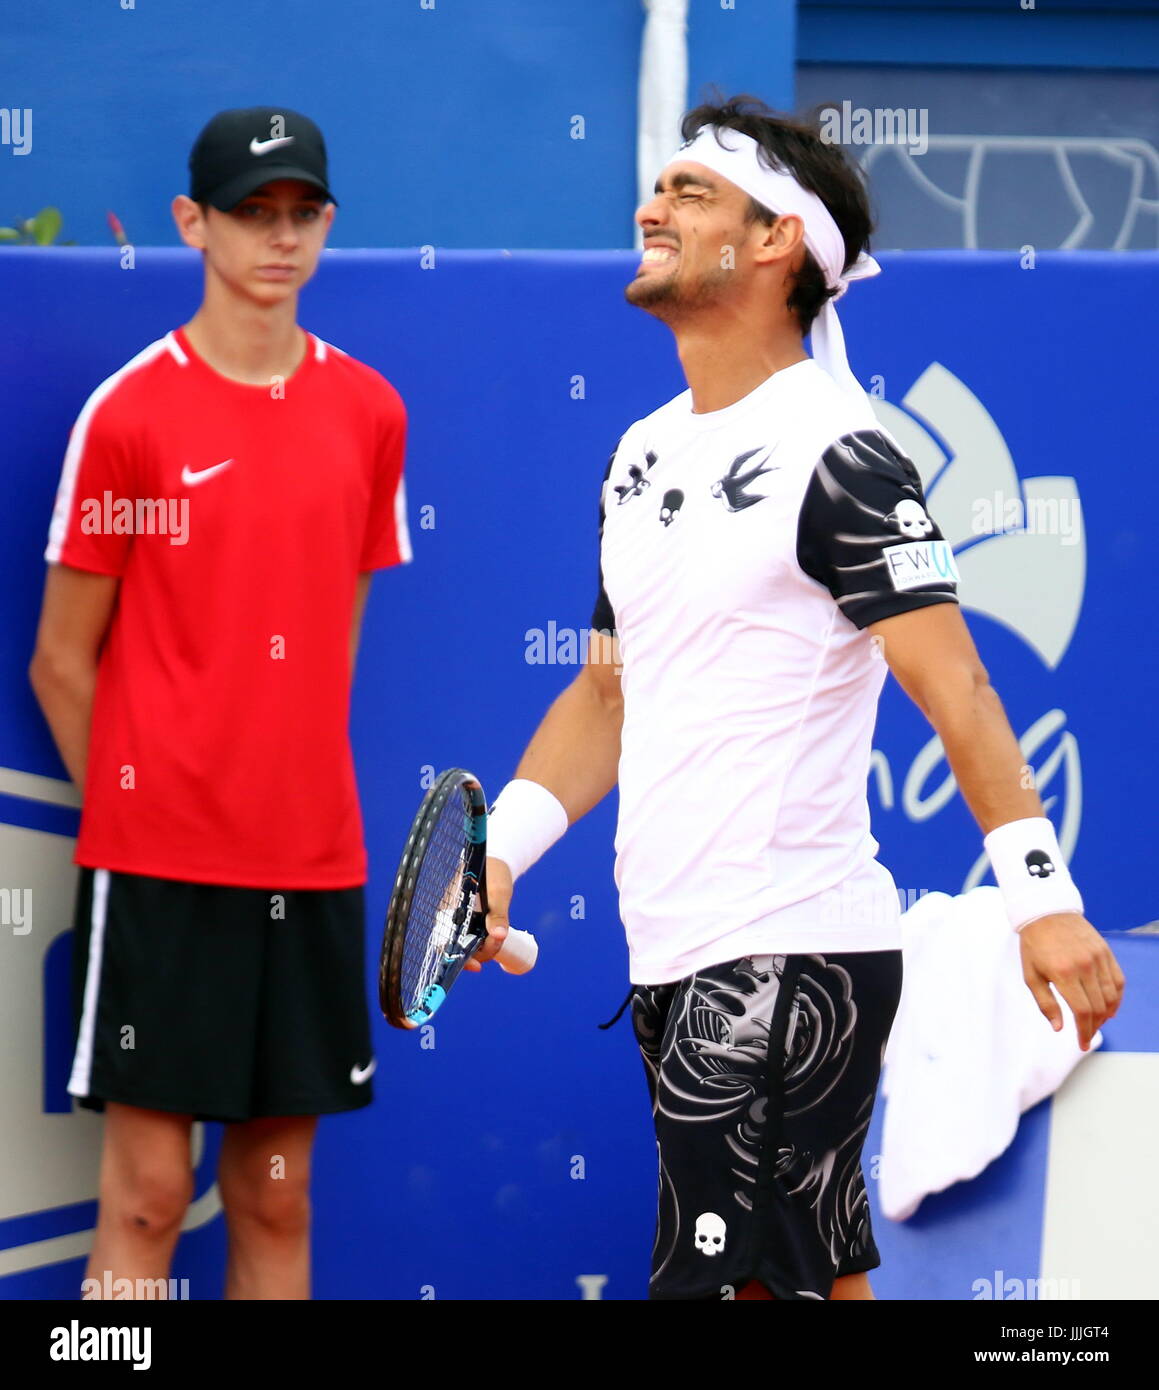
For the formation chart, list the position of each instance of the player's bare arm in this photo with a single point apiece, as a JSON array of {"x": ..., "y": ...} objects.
[
  {"x": 575, "y": 754},
  {"x": 74, "y": 618},
  {"x": 931, "y": 653}
]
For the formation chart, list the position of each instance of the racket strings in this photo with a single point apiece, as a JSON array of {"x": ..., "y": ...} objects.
[{"x": 440, "y": 906}]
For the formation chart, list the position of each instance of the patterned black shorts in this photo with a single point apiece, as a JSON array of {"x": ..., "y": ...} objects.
[{"x": 763, "y": 1073}]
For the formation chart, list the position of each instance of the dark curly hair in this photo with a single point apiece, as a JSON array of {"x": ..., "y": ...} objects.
[{"x": 794, "y": 145}]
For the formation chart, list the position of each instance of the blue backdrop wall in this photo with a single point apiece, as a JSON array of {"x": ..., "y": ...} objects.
[
  {"x": 449, "y": 122},
  {"x": 520, "y": 373}
]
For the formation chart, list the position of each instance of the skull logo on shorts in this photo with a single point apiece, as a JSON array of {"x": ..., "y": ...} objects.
[{"x": 710, "y": 1231}]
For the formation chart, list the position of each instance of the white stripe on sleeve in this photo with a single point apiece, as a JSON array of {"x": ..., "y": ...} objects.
[{"x": 62, "y": 511}]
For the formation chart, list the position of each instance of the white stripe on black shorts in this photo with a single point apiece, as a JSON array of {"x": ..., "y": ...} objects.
[
  {"x": 763, "y": 1073},
  {"x": 219, "y": 1002}
]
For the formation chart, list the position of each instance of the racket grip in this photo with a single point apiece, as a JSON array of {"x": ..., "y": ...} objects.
[{"x": 519, "y": 952}]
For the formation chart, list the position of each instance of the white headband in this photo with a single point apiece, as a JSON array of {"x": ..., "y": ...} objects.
[{"x": 740, "y": 162}]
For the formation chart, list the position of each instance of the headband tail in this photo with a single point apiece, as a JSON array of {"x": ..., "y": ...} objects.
[{"x": 829, "y": 349}]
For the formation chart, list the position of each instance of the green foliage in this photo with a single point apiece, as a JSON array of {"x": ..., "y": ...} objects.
[{"x": 41, "y": 230}]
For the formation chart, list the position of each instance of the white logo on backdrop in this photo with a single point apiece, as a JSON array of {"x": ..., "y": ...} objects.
[
  {"x": 46, "y": 1160},
  {"x": 1020, "y": 548},
  {"x": 1109, "y": 182}
]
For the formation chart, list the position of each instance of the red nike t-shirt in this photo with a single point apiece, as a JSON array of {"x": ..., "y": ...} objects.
[{"x": 238, "y": 519}]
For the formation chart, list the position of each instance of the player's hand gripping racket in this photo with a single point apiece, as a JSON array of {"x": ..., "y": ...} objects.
[{"x": 436, "y": 918}]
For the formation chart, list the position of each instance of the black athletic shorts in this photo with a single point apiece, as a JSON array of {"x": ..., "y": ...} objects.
[
  {"x": 221, "y": 1003},
  {"x": 763, "y": 1073}
]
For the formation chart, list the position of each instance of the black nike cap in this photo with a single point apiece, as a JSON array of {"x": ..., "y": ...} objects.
[{"x": 239, "y": 151}]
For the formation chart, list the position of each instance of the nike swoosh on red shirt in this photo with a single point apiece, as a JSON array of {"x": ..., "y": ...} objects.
[{"x": 191, "y": 478}]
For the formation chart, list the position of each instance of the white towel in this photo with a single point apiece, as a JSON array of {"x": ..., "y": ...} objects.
[{"x": 969, "y": 1050}]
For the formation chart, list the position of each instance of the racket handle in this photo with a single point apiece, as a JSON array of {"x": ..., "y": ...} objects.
[{"x": 519, "y": 952}]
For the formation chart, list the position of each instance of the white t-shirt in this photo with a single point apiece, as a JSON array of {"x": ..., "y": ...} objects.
[{"x": 743, "y": 552}]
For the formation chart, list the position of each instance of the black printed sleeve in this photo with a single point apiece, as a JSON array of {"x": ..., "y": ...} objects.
[
  {"x": 603, "y": 619},
  {"x": 865, "y": 534}
]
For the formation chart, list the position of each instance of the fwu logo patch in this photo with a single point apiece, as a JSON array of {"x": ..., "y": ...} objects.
[{"x": 920, "y": 562}]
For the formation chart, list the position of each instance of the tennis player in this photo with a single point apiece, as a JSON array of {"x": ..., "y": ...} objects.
[
  {"x": 223, "y": 502},
  {"x": 765, "y": 544}
]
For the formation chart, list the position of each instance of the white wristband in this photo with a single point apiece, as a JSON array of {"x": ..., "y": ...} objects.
[
  {"x": 1031, "y": 872},
  {"x": 524, "y": 822}
]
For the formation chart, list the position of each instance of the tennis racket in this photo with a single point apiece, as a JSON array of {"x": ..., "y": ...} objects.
[{"x": 436, "y": 918}]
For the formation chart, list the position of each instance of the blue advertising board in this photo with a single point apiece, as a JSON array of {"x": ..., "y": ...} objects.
[{"x": 509, "y": 1153}]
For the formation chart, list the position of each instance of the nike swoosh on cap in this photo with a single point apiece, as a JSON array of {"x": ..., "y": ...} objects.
[
  {"x": 265, "y": 146},
  {"x": 191, "y": 478}
]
